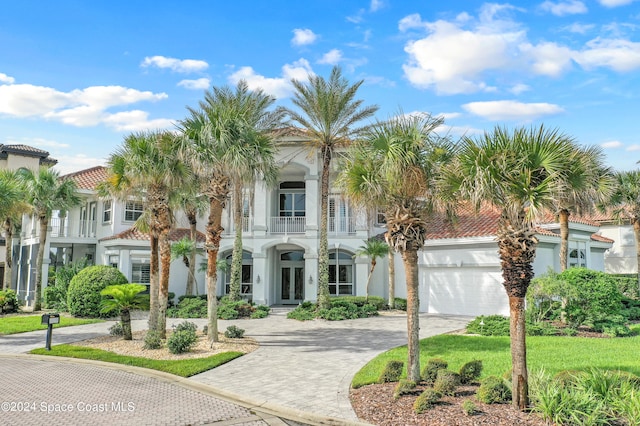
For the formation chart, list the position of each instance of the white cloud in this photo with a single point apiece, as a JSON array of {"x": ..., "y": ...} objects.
[
  {"x": 280, "y": 87},
  {"x": 561, "y": 8},
  {"x": 633, "y": 148},
  {"x": 379, "y": 81},
  {"x": 579, "y": 28},
  {"x": 200, "y": 83},
  {"x": 177, "y": 65},
  {"x": 376, "y": 5},
  {"x": 6, "y": 79},
  {"x": 136, "y": 120},
  {"x": 548, "y": 58},
  {"x": 332, "y": 57},
  {"x": 449, "y": 115},
  {"x": 37, "y": 142},
  {"x": 617, "y": 54},
  {"x": 79, "y": 107},
  {"x": 74, "y": 163},
  {"x": 410, "y": 21},
  {"x": 615, "y": 3},
  {"x": 611, "y": 144},
  {"x": 357, "y": 18},
  {"x": 511, "y": 110},
  {"x": 302, "y": 37},
  {"x": 519, "y": 88}
]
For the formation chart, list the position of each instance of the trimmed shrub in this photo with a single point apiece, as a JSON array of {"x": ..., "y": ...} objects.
[
  {"x": 55, "y": 295},
  {"x": 259, "y": 313},
  {"x": 181, "y": 341},
  {"x": 403, "y": 387},
  {"x": 430, "y": 371},
  {"x": 427, "y": 399},
  {"x": 189, "y": 307},
  {"x": 83, "y": 295},
  {"x": 493, "y": 390},
  {"x": 401, "y": 304},
  {"x": 185, "y": 325},
  {"x": 303, "y": 312},
  {"x": 234, "y": 332},
  {"x": 152, "y": 340},
  {"x": 471, "y": 371},
  {"x": 492, "y": 325},
  {"x": 469, "y": 407},
  {"x": 446, "y": 382},
  {"x": 8, "y": 301},
  {"x": 361, "y": 301},
  {"x": 392, "y": 372},
  {"x": 116, "y": 329}
]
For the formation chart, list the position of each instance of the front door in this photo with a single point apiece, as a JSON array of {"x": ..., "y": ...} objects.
[{"x": 291, "y": 286}]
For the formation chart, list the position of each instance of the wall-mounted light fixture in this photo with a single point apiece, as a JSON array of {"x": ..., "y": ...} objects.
[
  {"x": 258, "y": 279},
  {"x": 310, "y": 280}
]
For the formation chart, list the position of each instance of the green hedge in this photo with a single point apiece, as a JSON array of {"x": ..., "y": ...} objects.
[{"x": 83, "y": 295}]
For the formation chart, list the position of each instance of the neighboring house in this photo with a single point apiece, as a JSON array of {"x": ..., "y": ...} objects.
[
  {"x": 621, "y": 258},
  {"x": 459, "y": 268},
  {"x": 15, "y": 157}
]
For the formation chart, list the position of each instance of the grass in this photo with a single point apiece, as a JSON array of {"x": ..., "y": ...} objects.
[
  {"x": 23, "y": 323},
  {"x": 183, "y": 367},
  {"x": 551, "y": 352}
]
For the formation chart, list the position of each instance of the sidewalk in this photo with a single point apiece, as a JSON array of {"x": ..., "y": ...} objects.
[{"x": 301, "y": 371}]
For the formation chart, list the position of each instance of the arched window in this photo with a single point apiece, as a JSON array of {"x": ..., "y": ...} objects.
[
  {"x": 246, "y": 276},
  {"x": 341, "y": 273}
]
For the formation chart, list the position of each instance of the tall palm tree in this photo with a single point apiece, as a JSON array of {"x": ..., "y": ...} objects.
[
  {"x": 46, "y": 192},
  {"x": 328, "y": 113},
  {"x": 373, "y": 248},
  {"x": 146, "y": 167},
  {"x": 587, "y": 183},
  {"x": 395, "y": 166},
  {"x": 519, "y": 173},
  {"x": 12, "y": 206},
  {"x": 626, "y": 205},
  {"x": 229, "y": 133}
]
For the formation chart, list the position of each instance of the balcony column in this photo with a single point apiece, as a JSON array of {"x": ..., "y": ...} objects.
[
  {"x": 311, "y": 276},
  {"x": 312, "y": 207},
  {"x": 261, "y": 209}
]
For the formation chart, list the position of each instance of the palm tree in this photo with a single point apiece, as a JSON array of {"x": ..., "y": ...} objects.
[
  {"x": 186, "y": 249},
  {"x": 395, "y": 166},
  {"x": 123, "y": 298},
  {"x": 329, "y": 112},
  {"x": 519, "y": 173},
  {"x": 146, "y": 167},
  {"x": 46, "y": 192},
  {"x": 373, "y": 248},
  {"x": 626, "y": 205},
  {"x": 587, "y": 183},
  {"x": 229, "y": 133},
  {"x": 12, "y": 206}
]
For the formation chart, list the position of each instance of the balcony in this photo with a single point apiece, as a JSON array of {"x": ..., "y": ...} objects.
[
  {"x": 85, "y": 229},
  {"x": 246, "y": 228},
  {"x": 287, "y": 225},
  {"x": 341, "y": 225}
]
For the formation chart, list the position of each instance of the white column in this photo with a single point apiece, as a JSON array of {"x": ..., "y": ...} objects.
[{"x": 261, "y": 280}]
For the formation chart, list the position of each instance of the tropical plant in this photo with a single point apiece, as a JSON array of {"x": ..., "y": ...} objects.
[
  {"x": 396, "y": 166},
  {"x": 83, "y": 295},
  {"x": 373, "y": 248},
  {"x": 146, "y": 167},
  {"x": 329, "y": 114},
  {"x": 625, "y": 203},
  {"x": 46, "y": 192},
  {"x": 519, "y": 173},
  {"x": 229, "y": 133},
  {"x": 12, "y": 206},
  {"x": 186, "y": 249},
  {"x": 122, "y": 298}
]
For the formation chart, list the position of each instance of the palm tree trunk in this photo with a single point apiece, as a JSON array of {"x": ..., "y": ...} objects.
[
  {"x": 410, "y": 260},
  {"x": 392, "y": 280},
  {"x": 236, "y": 258},
  {"x": 192, "y": 216},
  {"x": 8, "y": 260},
  {"x": 154, "y": 282},
  {"x": 563, "y": 217},
  {"x": 163, "y": 288},
  {"x": 44, "y": 224},
  {"x": 519, "y": 377},
  {"x": 636, "y": 230},
  {"x": 125, "y": 320},
  {"x": 324, "y": 298},
  {"x": 373, "y": 265}
]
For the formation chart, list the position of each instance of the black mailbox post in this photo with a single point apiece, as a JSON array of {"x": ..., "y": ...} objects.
[{"x": 49, "y": 320}]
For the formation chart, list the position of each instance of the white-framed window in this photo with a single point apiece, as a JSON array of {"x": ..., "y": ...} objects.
[
  {"x": 577, "y": 254},
  {"x": 292, "y": 199},
  {"x": 246, "y": 276},
  {"x": 140, "y": 273},
  {"x": 381, "y": 219},
  {"x": 114, "y": 259},
  {"x": 106, "y": 211},
  {"x": 133, "y": 210},
  {"x": 341, "y": 280}
]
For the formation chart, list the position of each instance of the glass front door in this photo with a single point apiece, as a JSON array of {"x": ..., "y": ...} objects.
[{"x": 291, "y": 284}]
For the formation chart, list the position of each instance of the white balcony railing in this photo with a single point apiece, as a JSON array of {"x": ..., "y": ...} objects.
[
  {"x": 342, "y": 225},
  {"x": 287, "y": 225},
  {"x": 246, "y": 228},
  {"x": 84, "y": 229}
]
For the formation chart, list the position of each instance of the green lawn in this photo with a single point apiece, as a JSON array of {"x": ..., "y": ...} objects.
[
  {"x": 554, "y": 354},
  {"x": 183, "y": 368},
  {"x": 23, "y": 323}
]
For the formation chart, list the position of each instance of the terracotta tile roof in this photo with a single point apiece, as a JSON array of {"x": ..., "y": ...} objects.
[
  {"x": 598, "y": 237},
  {"x": 88, "y": 178},
  {"x": 134, "y": 234},
  {"x": 467, "y": 224},
  {"x": 27, "y": 151}
]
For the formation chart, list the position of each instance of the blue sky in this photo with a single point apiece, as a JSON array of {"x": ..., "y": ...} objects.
[{"x": 77, "y": 76}]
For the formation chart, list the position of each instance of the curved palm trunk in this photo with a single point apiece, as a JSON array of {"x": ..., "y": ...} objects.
[
  {"x": 218, "y": 193},
  {"x": 154, "y": 283},
  {"x": 8, "y": 260},
  {"x": 563, "y": 218},
  {"x": 636, "y": 231},
  {"x": 517, "y": 251},
  {"x": 410, "y": 260},
  {"x": 236, "y": 258},
  {"x": 373, "y": 265},
  {"x": 324, "y": 301},
  {"x": 125, "y": 320},
  {"x": 392, "y": 280},
  {"x": 163, "y": 288},
  {"x": 44, "y": 224},
  {"x": 192, "y": 217}
]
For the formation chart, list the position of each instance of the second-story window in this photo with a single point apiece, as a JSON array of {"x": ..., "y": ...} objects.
[
  {"x": 380, "y": 218},
  {"x": 133, "y": 210},
  {"x": 292, "y": 202},
  {"x": 106, "y": 211}
]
